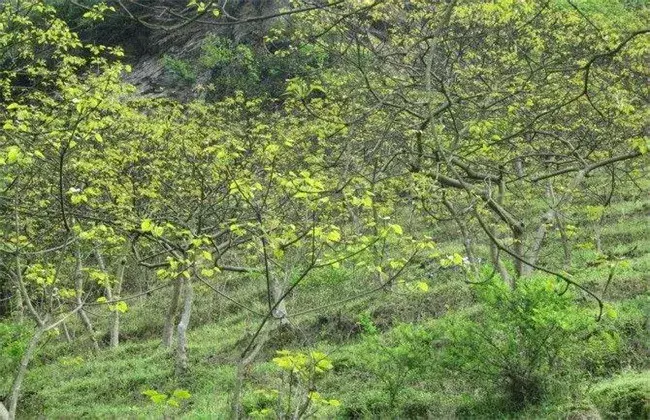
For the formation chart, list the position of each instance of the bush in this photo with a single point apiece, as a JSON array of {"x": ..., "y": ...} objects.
[
  {"x": 396, "y": 360},
  {"x": 522, "y": 344},
  {"x": 13, "y": 341},
  {"x": 624, "y": 397},
  {"x": 179, "y": 69},
  {"x": 623, "y": 340}
]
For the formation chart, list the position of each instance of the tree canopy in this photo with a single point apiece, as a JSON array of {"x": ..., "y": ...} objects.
[{"x": 346, "y": 135}]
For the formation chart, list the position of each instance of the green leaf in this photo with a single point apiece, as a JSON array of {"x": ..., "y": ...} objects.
[
  {"x": 121, "y": 306},
  {"x": 422, "y": 286},
  {"x": 334, "y": 236},
  {"x": 397, "y": 229},
  {"x": 181, "y": 394},
  {"x": 13, "y": 154},
  {"x": 146, "y": 225}
]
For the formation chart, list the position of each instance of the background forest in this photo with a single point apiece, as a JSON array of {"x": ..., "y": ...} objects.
[{"x": 292, "y": 209}]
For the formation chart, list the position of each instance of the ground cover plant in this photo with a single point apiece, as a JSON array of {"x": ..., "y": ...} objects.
[{"x": 344, "y": 209}]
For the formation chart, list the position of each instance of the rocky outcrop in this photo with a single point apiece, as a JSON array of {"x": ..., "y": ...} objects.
[{"x": 146, "y": 48}]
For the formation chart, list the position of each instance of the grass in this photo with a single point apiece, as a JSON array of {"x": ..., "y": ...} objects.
[{"x": 67, "y": 381}]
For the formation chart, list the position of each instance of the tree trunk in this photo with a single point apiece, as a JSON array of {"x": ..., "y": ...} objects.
[
  {"x": 467, "y": 241},
  {"x": 113, "y": 295},
  {"x": 538, "y": 240},
  {"x": 170, "y": 320},
  {"x": 20, "y": 308},
  {"x": 236, "y": 409},
  {"x": 519, "y": 167},
  {"x": 4, "y": 414},
  {"x": 181, "y": 351},
  {"x": 22, "y": 369},
  {"x": 494, "y": 251},
  {"x": 115, "y": 326},
  {"x": 79, "y": 292},
  {"x": 566, "y": 242},
  {"x": 66, "y": 332},
  {"x": 501, "y": 268},
  {"x": 280, "y": 312}
]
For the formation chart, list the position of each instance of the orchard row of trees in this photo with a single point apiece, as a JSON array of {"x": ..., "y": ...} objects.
[{"x": 421, "y": 111}]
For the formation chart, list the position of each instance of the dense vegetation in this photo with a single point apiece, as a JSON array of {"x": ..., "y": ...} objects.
[{"x": 344, "y": 209}]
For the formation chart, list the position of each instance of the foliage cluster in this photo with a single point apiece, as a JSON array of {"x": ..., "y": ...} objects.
[{"x": 441, "y": 174}]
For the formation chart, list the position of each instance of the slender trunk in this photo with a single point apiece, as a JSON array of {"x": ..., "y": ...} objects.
[
  {"x": 518, "y": 236},
  {"x": 79, "y": 293},
  {"x": 21, "y": 292},
  {"x": 601, "y": 220},
  {"x": 20, "y": 308},
  {"x": 181, "y": 351},
  {"x": 519, "y": 167},
  {"x": 467, "y": 241},
  {"x": 519, "y": 249},
  {"x": 501, "y": 268},
  {"x": 64, "y": 326},
  {"x": 280, "y": 312},
  {"x": 115, "y": 326},
  {"x": 538, "y": 240},
  {"x": 236, "y": 409},
  {"x": 566, "y": 243},
  {"x": 170, "y": 320},
  {"x": 4, "y": 414},
  {"x": 494, "y": 251},
  {"x": 22, "y": 369},
  {"x": 108, "y": 291},
  {"x": 542, "y": 230},
  {"x": 66, "y": 332}
]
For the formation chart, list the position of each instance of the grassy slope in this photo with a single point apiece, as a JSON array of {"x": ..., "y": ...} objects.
[{"x": 66, "y": 381}]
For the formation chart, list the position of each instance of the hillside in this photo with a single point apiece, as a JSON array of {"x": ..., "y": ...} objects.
[{"x": 346, "y": 209}]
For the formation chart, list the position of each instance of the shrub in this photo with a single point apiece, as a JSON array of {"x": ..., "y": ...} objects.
[
  {"x": 525, "y": 343},
  {"x": 181, "y": 70},
  {"x": 624, "y": 397},
  {"x": 13, "y": 341},
  {"x": 296, "y": 396},
  {"x": 396, "y": 360}
]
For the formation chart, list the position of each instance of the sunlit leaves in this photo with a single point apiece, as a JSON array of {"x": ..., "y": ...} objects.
[
  {"x": 97, "y": 11},
  {"x": 41, "y": 274},
  {"x": 174, "y": 399}
]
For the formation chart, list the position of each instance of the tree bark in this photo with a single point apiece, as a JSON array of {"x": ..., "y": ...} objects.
[
  {"x": 66, "y": 332},
  {"x": 467, "y": 241},
  {"x": 22, "y": 369},
  {"x": 566, "y": 242},
  {"x": 181, "y": 350},
  {"x": 4, "y": 414},
  {"x": 501, "y": 268},
  {"x": 280, "y": 312},
  {"x": 20, "y": 308},
  {"x": 79, "y": 292},
  {"x": 170, "y": 320},
  {"x": 115, "y": 326},
  {"x": 538, "y": 240},
  {"x": 516, "y": 229},
  {"x": 236, "y": 409}
]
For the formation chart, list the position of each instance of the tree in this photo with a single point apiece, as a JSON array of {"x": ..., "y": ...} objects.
[{"x": 490, "y": 104}]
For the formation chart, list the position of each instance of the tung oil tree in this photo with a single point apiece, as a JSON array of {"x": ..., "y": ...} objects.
[
  {"x": 303, "y": 223},
  {"x": 496, "y": 116},
  {"x": 55, "y": 92},
  {"x": 492, "y": 105}
]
